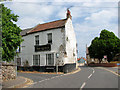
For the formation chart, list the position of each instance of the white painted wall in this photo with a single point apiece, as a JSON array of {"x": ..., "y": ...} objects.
[
  {"x": 27, "y": 50},
  {"x": 59, "y": 45},
  {"x": 70, "y": 41}
]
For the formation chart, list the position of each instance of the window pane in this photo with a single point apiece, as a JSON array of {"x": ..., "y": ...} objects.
[
  {"x": 33, "y": 59},
  {"x": 36, "y": 59},
  {"x": 39, "y": 59},
  {"x": 46, "y": 59},
  {"x": 50, "y": 38},
  {"x": 37, "y": 40},
  {"x": 50, "y": 59}
]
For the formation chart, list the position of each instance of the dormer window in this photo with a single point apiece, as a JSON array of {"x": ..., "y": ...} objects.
[
  {"x": 37, "y": 40},
  {"x": 49, "y": 38}
]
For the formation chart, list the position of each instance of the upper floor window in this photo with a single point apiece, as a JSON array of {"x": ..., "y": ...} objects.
[
  {"x": 50, "y": 38},
  {"x": 37, "y": 40}
]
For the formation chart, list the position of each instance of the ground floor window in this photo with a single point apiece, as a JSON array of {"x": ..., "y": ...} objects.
[
  {"x": 50, "y": 59},
  {"x": 18, "y": 61},
  {"x": 36, "y": 59}
]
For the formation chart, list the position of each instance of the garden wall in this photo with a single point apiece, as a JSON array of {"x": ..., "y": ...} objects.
[
  {"x": 104, "y": 65},
  {"x": 8, "y": 72}
]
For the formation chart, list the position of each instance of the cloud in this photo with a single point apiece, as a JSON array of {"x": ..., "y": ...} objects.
[
  {"x": 89, "y": 17},
  {"x": 25, "y": 22},
  {"x": 103, "y": 17},
  {"x": 65, "y": 0},
  {"x": 61, "y": 13},
  {"x": 93, "y": 23},
  {"x": 31, "y": 14}
]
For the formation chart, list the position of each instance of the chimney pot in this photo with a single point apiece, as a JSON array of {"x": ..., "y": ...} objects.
[{"x": 69, "y": 14}]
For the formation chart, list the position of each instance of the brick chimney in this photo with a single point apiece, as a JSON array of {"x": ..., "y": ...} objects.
[{"x": 68, "y": 14}]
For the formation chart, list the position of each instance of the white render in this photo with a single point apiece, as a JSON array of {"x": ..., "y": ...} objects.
[{"x": 63, "y": 40}]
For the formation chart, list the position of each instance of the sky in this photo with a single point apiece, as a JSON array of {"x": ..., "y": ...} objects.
[{"x": 89, "y": 17}]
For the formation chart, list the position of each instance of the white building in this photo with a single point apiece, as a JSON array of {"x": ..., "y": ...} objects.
[{"x": 50, "y": 44}]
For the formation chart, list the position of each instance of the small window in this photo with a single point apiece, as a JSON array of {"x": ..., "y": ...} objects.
[
  {"x": 18, "y": 61},
  {"x": 37, "y": 40},
  {"x": 50, "y": 38}
]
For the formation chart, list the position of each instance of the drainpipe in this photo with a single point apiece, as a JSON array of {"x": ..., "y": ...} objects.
[
  {"x": 57, "y": 56},
  {"x": 56, "y": 68}
]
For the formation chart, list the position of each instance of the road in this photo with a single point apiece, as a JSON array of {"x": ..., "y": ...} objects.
[
  {"x": 114, "y": 69},
  {"x": 88, "y": 77},
  {"x": 36, "y": 76}
]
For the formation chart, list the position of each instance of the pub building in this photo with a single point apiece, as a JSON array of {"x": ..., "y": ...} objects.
[{"x": 49, "y": 46}]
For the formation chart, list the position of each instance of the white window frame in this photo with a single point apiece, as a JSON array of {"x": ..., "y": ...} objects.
[
  {"x": 49, "y": 38},
  {"x": 36, "y": 60},
  {"x": 37, "y": 39},
  {"x": 50, "y": 60}
]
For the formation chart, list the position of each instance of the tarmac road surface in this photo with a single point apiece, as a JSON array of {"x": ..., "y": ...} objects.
[{"x": 88, "y": 77}]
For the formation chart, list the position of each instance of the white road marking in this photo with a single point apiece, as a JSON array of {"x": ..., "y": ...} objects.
[
  {"x": 83, "y": 85},
  {"x": 52, "y": 78},
  {"x": 89, "y": 75},
  {"x": 93, "y": 70},
  {"x": 66, "y": 74},
  {"x": 41, "y": 81},
  {"x": 57, "y": 76},
  {"x": 34, "y": 82},
  {"x": 108, "y": 70},
  {"x": 48, "y": 79},
  {"x": 45, "y": 80}
]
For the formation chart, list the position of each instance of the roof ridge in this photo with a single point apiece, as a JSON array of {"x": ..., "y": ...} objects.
[
  {"x": 48, "y": 25},
  {"x": 53, "y": 21}
]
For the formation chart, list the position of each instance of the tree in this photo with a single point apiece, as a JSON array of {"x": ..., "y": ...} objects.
[
  {"x": 11, "y": 37},
  {"x": 107, "y": 44}
]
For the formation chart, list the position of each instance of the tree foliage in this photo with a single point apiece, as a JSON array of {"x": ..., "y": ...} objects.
[
  {"x": 11, "y": 38},
  {"x": 107, "y": 44}
]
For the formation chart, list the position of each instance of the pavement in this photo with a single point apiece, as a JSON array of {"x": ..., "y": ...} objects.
[
  {"x": 114, "y": 69},
  {"x": 19, "y": 82}
]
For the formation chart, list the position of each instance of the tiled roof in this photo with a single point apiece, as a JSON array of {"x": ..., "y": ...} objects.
[
  {"x": 78, "y": 59},
  {"x": 49, "y": 25},
  {"x": 23, "y": 32},
  {"x": 84, "y": 59},
  {"x": 81, "y": 59}
]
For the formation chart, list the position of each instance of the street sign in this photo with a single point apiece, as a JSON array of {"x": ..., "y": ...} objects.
[
  {"x": 105, "y": 56},
  {"x": 118, "y": 64}
]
